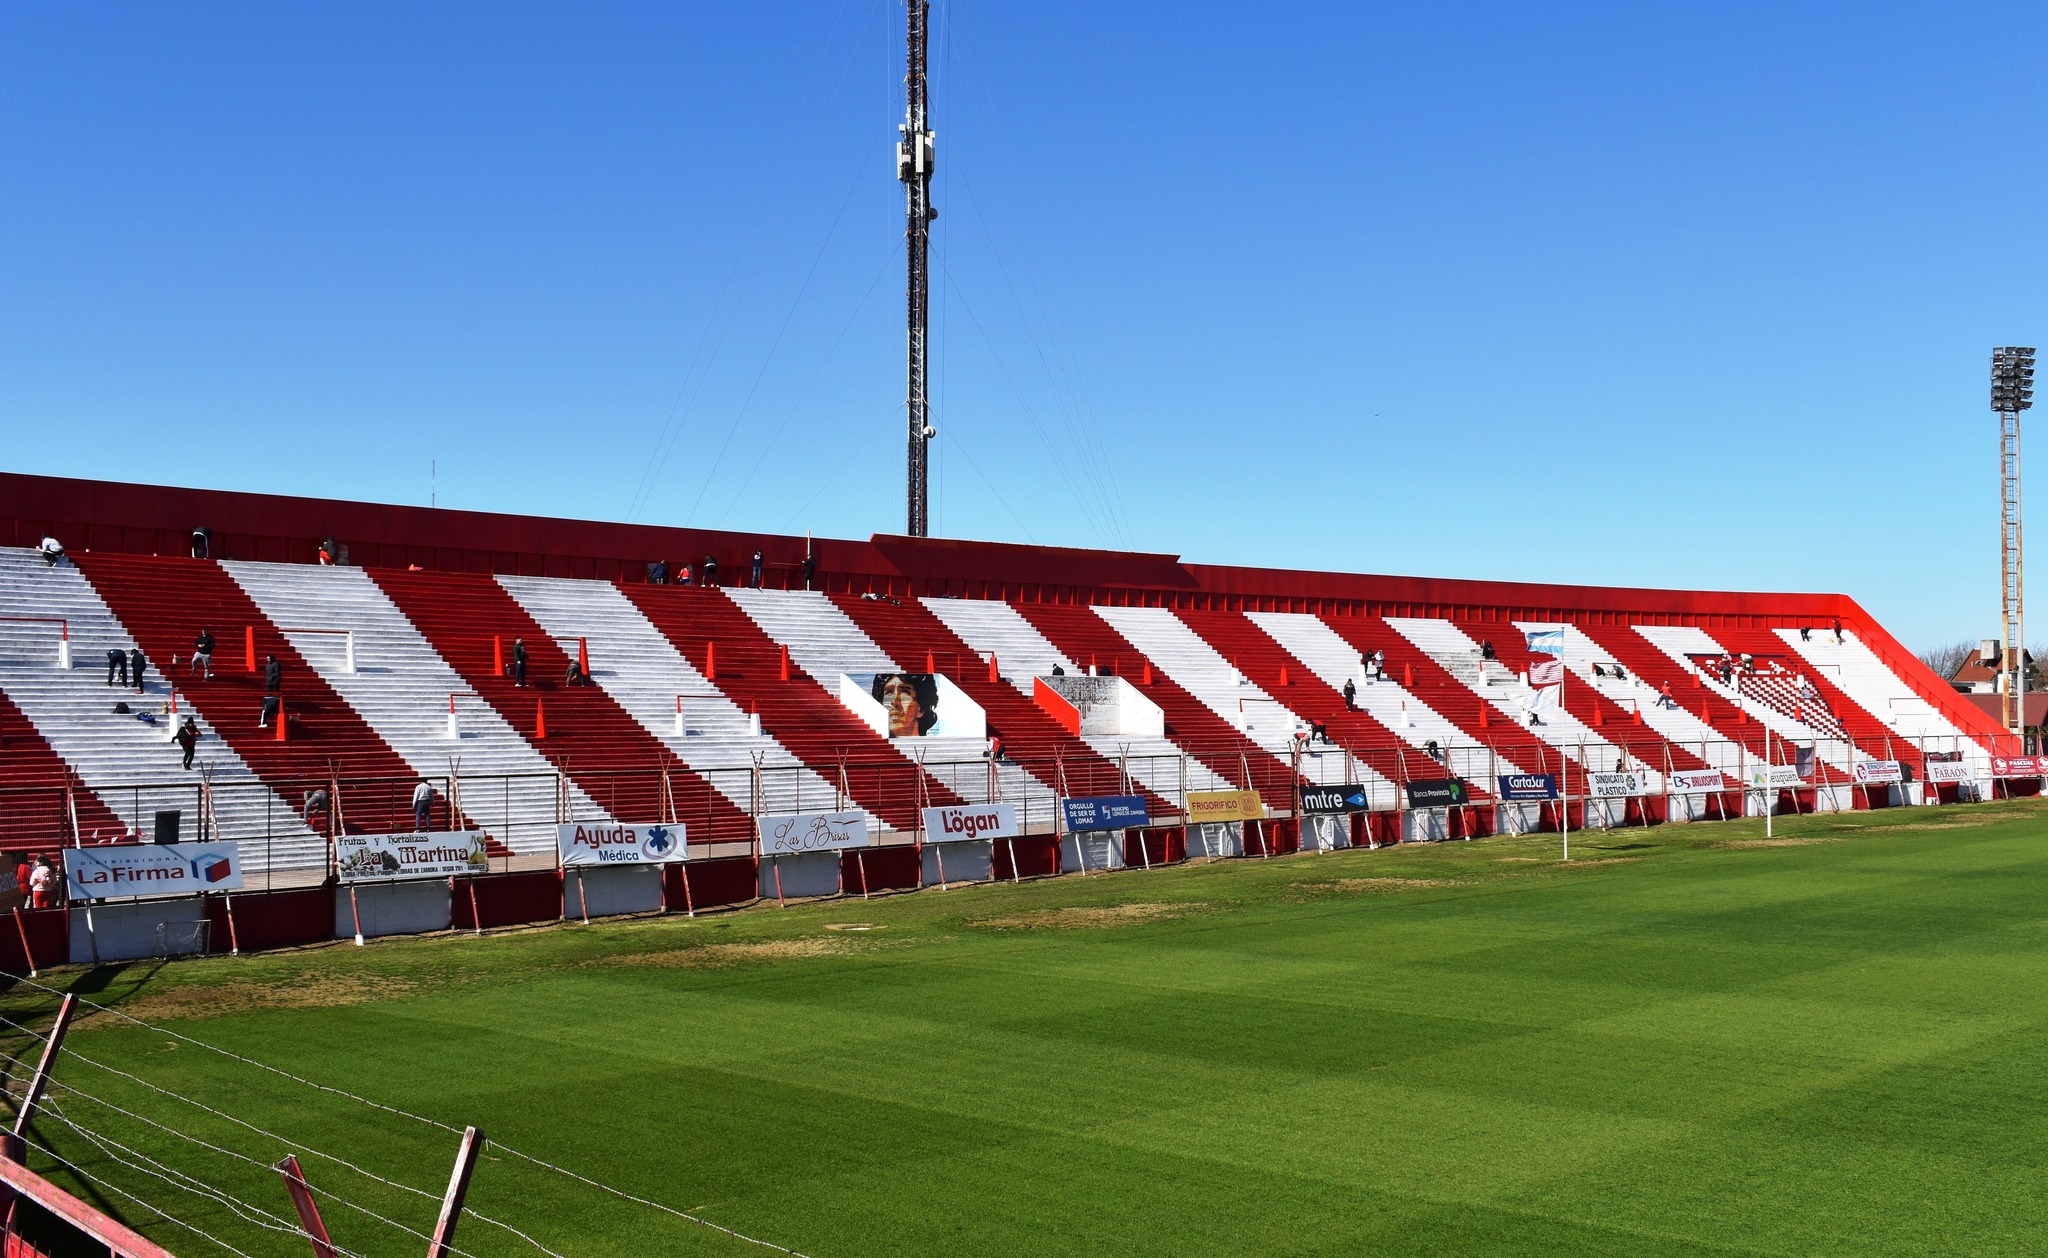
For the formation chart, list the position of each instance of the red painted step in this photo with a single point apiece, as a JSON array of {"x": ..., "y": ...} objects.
[
  {"x": 601, "y": 747},
  {"x": 33, "y": 814},
  {"x": 164, "y": 602},
  {"x": 1082, "y": 635},
  {"x": 801, "y": 714}
]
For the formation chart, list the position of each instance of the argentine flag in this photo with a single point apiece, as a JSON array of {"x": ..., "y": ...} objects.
[{"x": 1547, "y": 641}]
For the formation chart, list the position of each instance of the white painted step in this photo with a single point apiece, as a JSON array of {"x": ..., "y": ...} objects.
[{"x": 400, "y": 688}]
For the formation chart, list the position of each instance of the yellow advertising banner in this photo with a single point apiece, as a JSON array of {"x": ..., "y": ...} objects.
[{"x": 1224, "y": 806}]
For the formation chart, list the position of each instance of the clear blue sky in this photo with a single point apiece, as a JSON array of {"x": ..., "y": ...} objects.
[{"x": 1635, "y": 294}]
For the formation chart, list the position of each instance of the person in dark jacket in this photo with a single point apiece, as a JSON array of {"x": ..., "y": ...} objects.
[
  {"x": 574, "y": 676},
  {"x": 519, "y": 661},
  {"x": 202, "y": 655},
  {"x": 757, "y": 569},
  {"x": 1350, "y": 695},
  {"x": 137, "y": 666},
  {"x": 273, "y": 674},
  {"x": 810, "y": 570},
  {"x": 188, "y": 738},
  {"x": 272, "y": 703},
  {"x": 710, "y": 571},
  {"x": 117, "y": 666}
]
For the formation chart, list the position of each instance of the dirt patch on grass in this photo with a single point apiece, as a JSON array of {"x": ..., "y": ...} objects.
[
  {"x": 1600, "y": 863},
  {"x": 217, "y": 1000},
  {"x": 1734, "y": 845},
  {"x": 1372, "y": 886},
  {"x": 1087, "y": 918},
  {"x": 726, "y": 955}
]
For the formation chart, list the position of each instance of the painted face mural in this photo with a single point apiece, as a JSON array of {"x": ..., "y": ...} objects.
[{"x": 911, "y": 701}]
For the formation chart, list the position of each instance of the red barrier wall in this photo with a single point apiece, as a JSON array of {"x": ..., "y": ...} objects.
[
  {"x": 271, "y": 919},
  {"x": 1037, "y": 856},
  {"x": 49, "y": 937},
  {"x": 888, "y": 869},
  {"x": 712, "y": 883},
  {"x": 505, "y": 899}
]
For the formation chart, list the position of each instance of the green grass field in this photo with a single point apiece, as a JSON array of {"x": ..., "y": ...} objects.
[{"x": 1683, "y": 1043}]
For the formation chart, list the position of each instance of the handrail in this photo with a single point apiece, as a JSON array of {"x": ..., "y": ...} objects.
[
  {"x": 65, "y": 625},
  {"x": 349, "y": 645}
]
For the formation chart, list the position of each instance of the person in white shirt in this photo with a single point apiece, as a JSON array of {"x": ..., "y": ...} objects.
[
  {"x": 422, "y": 805},
  {"x": 52, "y": 550}
]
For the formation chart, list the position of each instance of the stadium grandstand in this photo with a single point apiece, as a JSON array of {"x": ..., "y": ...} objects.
[{"x": 540, "y": 673}]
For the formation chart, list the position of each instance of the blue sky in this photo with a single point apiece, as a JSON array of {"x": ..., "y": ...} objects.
[{"x": 1611, "y": 294}]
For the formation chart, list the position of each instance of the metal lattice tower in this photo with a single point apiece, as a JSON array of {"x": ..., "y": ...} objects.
[
  {"x": 2012, "y": 391},
  {"x": 914, "y": 154}
]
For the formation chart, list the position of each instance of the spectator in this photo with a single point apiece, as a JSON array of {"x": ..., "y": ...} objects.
[
  {"x": 810, "y": 569},
  {"x": 1838, "y": 633},
  {"x": 1057, "y": 671},
  {"x": 319, "y": 801},
  {"x": 187, "y": 737},
  {"x": 710, "y": 571},
  {"x": 273, "y": 674},
  {"x": 1599, "y": 671},
  {"x": 1806, "y": 633},
  {"x": 519, "y": 661},
  {"x": 1620, "y": 765},
  {"x": 574, "y": 676},
  {"x": 137, "y": 666},
  {"x": 995, "y": 749},
  {"x": 657, "y": 573},
  {"x": 1350, "y": 695},
  {"x": 1664, "y": 699},
  {"x": 757, "y": 569},
  {"x": 39, "y": 881},
  {"x": 1486, "y": 649},
  {"x": 1618, "y": 674},
  {"x": 272, "y": 705},
  {"x": 683, "y": 575},
  {"x": 202, "y": 543},
  {"x": 327, "y": 553},
  {"x": 202, "y": 655},
  {"x": 117, "y": 666},
  {"x": 23, "y": 867},
  {"x": 422, "y": 805},
  {"x": 51, "y": 551},
  {"x": 1433, "y": 750},
  {"x": 1319, "y": 731}
]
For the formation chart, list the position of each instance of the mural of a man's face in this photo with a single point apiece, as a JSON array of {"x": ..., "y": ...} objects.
[{"x": 899, "y": 700}]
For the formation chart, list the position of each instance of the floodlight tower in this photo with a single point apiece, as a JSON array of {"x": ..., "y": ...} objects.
[
  {"x": 914, "y": 154},
  {"x": 2012, "y": 391}
]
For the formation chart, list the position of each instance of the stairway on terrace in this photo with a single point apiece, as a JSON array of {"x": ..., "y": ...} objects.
[
  {"x": 601, "y": 748},
  {"x": 133, "y": 767},
  {"x": 33, "y": 777},
  {"x": 401, "y": 688},
  {"x": 825, "y": 643},
  {"x": 1190, "y": 723},
  {"x": 908, "y": 630},
  {"x": 1854, "y": 669},
  {"x": 1680, "y": 644},
  {"x": 1022, "y": 653},
  {"x": 1562, "y": 729},
  {"x": 648, "y": 677},
  {"x": 166, "y": 601},
  {"x": 1320, "y": 650},
  {"x": 1774, "y": 684},
  {"x": 1383, "y": 759}
]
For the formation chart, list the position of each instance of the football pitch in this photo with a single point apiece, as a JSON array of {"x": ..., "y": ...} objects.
[{"x": 1687, "y": 1041}]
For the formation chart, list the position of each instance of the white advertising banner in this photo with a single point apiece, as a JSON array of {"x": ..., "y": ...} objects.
[
  {"x": 404, "y": 857},
  {"x": 961, "y": 823},
  {"x": 1878, "y": 772},
  {"x": 1782, "y": 776},
  {"x": 813, "y": 832},
  {"x": 1613, "y": 785},
  {"x": 1695, "y": 782},
  {"x": 1948, "y": 771},
  {"x": 131, "y": 869},
  {"x": 621, "y": 844}
]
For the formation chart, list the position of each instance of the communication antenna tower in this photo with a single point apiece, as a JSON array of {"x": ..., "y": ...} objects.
[
  {"x": 914, "y": 153},
  {"x": 2012, "y": 391}
]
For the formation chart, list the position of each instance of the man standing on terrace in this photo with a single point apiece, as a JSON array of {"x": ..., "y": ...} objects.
[
  {"x": 422, "y": 805},
  {"x": 202, "y": 655}
]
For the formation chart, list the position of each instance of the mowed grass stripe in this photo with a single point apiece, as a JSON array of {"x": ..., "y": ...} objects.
[{"x": 1673, "y": 1047}]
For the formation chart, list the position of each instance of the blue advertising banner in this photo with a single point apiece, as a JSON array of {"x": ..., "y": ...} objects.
[
  {"x": 1106, "y": 812},
  {"x": 1520, "y": 787}
]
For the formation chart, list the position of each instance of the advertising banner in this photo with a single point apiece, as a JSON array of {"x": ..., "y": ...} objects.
[
  {"x": 1781, "y": 776},
  {"x": 1947, "y": 771},
  {"x": 813, "y": 832},
  {"x": 1321, "y": 801},
  {"x": 1106, "y": 812},
  {"x": 403, "y": 857},
  {"x": 1436, "y": 792},
  {"x": 1523, "y": 787},
  {"x": 961, "y": 823},
  {"x": 2017, "y": 766},
  {"x": 1878, "y": 772},
  {"x": 621, "y": 844},
  {"x": 1695, "y": 782},
  {"x": 125, "y": 869},
  {"x": 1613, "y": 785},
  {"x": 1224, "y": 806}
]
